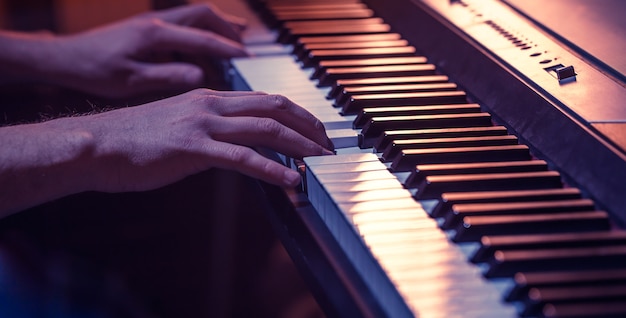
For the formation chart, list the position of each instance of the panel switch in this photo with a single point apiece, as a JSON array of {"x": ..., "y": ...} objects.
[{"x": 565, "y": 72}]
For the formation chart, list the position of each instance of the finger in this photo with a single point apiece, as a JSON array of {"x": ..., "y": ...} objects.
[
  {"x": 278, "y": 108},
  {"x": 169, "y": 76},
  {"x": 205, "y": 16},
  {"x": 231, "y": 93},
  {"x": 171, "y": 37},
  {"x": 249, "y": 162},
  {"x": 264, "y": 132}
]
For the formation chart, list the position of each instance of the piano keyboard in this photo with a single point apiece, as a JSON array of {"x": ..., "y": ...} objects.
[{"x": 442, "y": 212}]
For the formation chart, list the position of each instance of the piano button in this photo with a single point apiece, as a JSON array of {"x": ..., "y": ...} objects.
[
  {"x": 408, "y": 159},
  {"x": 507, "y": 263},
  {"x": 474, "y": 227},
  {"x": 316, "y": 56},
  {"x": 389, "y": 136},
  {"x": 377, "y": 125},
  {"x": 525, "y": 281},
  {"x": 366, "y": 114},
  {"x": 394, "y": 149},
  {"x": 332, "y": 75},
  {"x": 490, "y": 244},
  {"x": 449, "y": 199},
  {"x": 433, "y": 186},
  {"x": 340, "y": 85},
  {"x": 540, "y": 296},
  {"x": 357, "y": 102},
  {"x": 459, "y": 211},
  {"x": 612, "y": 309},
  {"x": 348, "y": 92}
]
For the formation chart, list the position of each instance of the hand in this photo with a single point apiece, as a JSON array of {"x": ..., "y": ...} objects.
[
  {"x": 144, "y": 147},
  {"x": 126, "y": 58},
  {"x": 151, "y": 145}
]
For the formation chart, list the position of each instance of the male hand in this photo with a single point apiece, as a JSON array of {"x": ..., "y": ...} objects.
[
  {"x": 148, "y": 146},
  {"x": 130, "y": 57}
]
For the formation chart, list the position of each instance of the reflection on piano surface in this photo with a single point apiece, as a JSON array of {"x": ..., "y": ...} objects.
[{"x": 472, "y": 176}]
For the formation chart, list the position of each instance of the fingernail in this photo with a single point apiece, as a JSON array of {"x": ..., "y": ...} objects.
[
  {"x": 330, "y": 144},
  {"x": 291, "y": 178},
  {"x": 326, "y": 152}
]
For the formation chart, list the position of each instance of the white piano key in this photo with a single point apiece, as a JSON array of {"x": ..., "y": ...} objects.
[
  {"x": 390, "y": 183},
  {"x": 405, "y": 254},
  {"x": 339, "y": 159}
]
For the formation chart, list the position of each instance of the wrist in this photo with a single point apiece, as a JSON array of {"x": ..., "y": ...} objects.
[
  {"x": 45, "y": 161},
  {"x": 39, "y": 57}
]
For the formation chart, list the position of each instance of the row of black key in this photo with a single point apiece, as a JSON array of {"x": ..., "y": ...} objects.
[{"x": 552, "y": 241}]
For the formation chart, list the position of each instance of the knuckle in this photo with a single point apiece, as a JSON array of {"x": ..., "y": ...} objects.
[
  {"x": 269, "y": 127},
  {"x": 279, "y": 102},
  {"x": 207, "y": 8},
  {"x": 238, "y": 155},
  {"x": 149, "y": 27}
]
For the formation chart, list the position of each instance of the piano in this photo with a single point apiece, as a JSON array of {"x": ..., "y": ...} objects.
[{"x": 480, "y": 154}]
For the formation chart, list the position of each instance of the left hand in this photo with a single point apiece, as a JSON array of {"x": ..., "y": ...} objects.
[{"x": 124, "y": 58}]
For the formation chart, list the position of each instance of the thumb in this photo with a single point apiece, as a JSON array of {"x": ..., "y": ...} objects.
[{"x": 168, "y": 76}]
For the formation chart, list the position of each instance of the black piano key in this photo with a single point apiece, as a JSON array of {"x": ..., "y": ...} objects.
[
  {"x": 339, "y": 22},
  {"x": 321, "y": 15},
  {"x": 447, "y": 200},
  {"x": 348, "y": 92},
  {"x": 366, "y": 114},
  {"x": 433, "y": 186},
  {"x": 397, "y": 146},
  {"x": 459, "y": 211},
  {"x": 474, "y": 227},
  {"x": 422, "y": 171},
  {"x": 332, "y": 75},
  {"x": 357, "y": 102},
  {"x": 377, "y": 125},
  {"x": 304, "y": 50},
  {"x": 603, "y": 309},
  {"x": 490, "y": 244},
  {"x": 408, "y": 159},
  {"x": 323, "y": 65},
  {"x": 525, "y": 281},
  {"x": 507, "y": 263},
  {"x": 316, "y": 56},
  {"x": 388, "y": 137},
  {"x": 291, "y": 35},
  {"x": 340, "y": 85},
  {"x": 347, "y": 38},
  {"x": 539, "y": 297}
]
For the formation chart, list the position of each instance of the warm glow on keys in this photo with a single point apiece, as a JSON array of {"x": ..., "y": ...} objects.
[
  {"x": 381, "y": 216},
  {"x": 381, "y": 205},
  {"x": 343, "y": 197}
]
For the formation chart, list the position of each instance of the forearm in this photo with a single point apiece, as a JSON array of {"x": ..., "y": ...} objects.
[
  {"x": 27, "y": 57},
  {"x": 42, "y": 162}
]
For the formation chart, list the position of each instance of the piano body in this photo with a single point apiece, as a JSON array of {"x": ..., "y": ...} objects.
[{"x": 481, "y": 156}]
